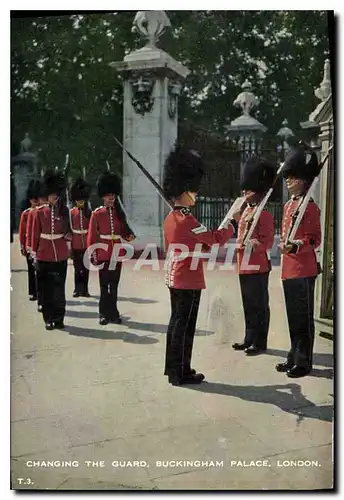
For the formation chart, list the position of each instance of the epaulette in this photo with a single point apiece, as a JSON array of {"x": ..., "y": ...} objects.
[
  {"x": 185, "y": 211},
  {"x": 42, "y": 206},
  {"x": 98, "y": 208},
  {"x": 27, "y": 209}
]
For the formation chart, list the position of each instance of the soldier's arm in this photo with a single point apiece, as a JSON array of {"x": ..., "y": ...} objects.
[
  {"x": 92, "y": 235},
  {"x": 29, "y": 231},
  {"x": 126, "y": 233},
  {"x": 199, "y": 233},
  {"x": 311, "y": 227},
  {"x": 266, "y": 231},
  {"x": 36, "y": 232},
  {"x": 22, "y": 231}
]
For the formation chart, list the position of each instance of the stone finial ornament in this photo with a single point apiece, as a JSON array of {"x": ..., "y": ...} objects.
[
  {"x": 151, "y": 24},
  {"x": 324, "y": 90},
  {"x": 246, "y": 100},
  {"x": 26, "y": 144},
  {"x": 285, "y": 132}
]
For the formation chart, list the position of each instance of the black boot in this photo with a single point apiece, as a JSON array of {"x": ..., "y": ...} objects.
[
  {"x": 195, "y": 378},
  {"x": 59, "y": 325},
  {"x": 284, "y": 367},
  {"x": 103, "y": 320},
  {"x": 49, "y": 326},
  {"x": 254, "y": 349},
  {"x": 76, "y": 294},
  {"x": 240, "y": 346},
  {"x": 298, "y": 371}
]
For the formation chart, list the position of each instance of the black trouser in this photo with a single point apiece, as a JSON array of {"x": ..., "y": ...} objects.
[
  {"x": 108, "y": 281},
  {"x": 255, "y": 299},
  {"x": 81, "y": 273},
  {"x": 38, "y": 287},
  {"x": 299, "y": 301},
  {"x": 181, "y": 331},
  {"x": 52, "y": 280},
  {"x": 31, "y": 276}
]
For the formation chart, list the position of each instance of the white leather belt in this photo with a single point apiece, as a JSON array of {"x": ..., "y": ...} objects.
[
  {"x": 51, "y": 236},
  {"x": 109, "y": 236},
  {"x": 80, "y": 231}
]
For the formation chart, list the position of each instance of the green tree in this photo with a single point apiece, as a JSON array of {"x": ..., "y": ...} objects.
[{"x": 67, "y": 96}]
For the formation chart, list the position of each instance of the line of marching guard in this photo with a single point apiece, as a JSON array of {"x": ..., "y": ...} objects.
[{"x": 50, "y": 232}]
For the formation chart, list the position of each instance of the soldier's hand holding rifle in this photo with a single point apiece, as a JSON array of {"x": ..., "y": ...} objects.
[{"x": 285, "y": 247}]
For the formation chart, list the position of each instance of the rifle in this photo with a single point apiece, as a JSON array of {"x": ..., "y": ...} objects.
[
  {"x": 147, "y": 174},
  {"x": 253, "y": 221},
  {"x": 121, "y": 204},
  {"x": 84, "y": 177},
  {"x": 65, "y": 172},
  {"x": 237, "y": 205}
]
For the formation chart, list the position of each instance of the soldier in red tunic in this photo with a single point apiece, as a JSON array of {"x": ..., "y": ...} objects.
[
  {"x": 50, "y": 233},
  {"x": 299, "y": 263},
  {"x": 258, "y": 176},
  {"x": 182, "y": 178},
  {"x": 107, "y": 226},
  {"x": 32, "y": 198},
  {"x": 80, "y": 217},
  {"x": 42, "y": 200}
]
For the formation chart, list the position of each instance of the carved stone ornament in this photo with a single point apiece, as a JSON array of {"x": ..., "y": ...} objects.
[
  {"x": 246, "y": 100},
  {"x": 285, "y": 132},
  {"x": 324, "y": 90},
  {"x": 151, "y": 24},
  {"x": 174, "y": 89},
  {"x": 26, "y": 144},
  {"x": 142, "y": 89}
]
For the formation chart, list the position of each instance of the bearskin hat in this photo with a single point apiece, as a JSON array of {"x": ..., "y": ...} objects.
[
  {"x": 183, "y": 172},
  {"x": 80, "y": 190},
  {"x": 34, "y": 190},
  {"x": 108, "y": 183},
  {"x": 258, "y": 175},
  {"x": 301, "y": 162},
  {"x": 53, "y": 182}
]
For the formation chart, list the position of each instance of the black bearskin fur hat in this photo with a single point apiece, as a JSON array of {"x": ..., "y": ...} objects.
[
  {"x": 258, "y": 175},
  {"x": 54, "y": 182},
  {"x": 80, "y": 190},
  {"x": 34, "y": 190},
  {"x": 108, "y": 183},
  {"x": 302, "y": 163},
  {"x": 183, "y": 172}
]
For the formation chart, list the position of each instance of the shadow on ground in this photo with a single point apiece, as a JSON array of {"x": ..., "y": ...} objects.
[
  {"x": 82, "y": 314},
  {"x": 108, "y": 335},
  {"x": 158, "y": 328},
  {"x": 81, "y": 303},
  {"x": 134, "y": 300},
  {"x": 293, "y": 402}
]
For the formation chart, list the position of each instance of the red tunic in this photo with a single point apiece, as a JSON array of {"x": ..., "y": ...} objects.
[
  {"x": 181, "y": 227},
  {"x": 49, "y": 243},
  {"x": 303, "y": 263},
  {"x": 105, "y": 227},
  {"x": 29, "y": 229},
  {"x": 264, "y": 233},
  {"x": 23, "y": 229},
  {"x": 80, "y": 224}
]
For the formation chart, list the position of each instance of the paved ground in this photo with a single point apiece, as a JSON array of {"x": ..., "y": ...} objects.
[{"x": 92, "y": 393}]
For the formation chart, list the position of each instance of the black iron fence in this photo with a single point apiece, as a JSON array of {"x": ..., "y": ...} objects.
[{"x": 211, "y": 211}]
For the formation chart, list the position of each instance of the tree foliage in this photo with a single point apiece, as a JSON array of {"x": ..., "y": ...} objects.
[{"x": 69, "y": 99}]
